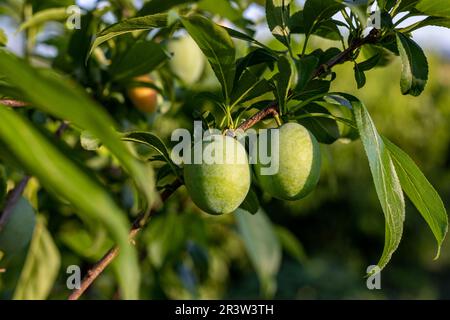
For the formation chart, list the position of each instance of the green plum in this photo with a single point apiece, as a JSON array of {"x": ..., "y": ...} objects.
[
  {"x": 218, "y": 187},
  {"x": 188, "y": 61},
  {"x": 299, "y": 163}
]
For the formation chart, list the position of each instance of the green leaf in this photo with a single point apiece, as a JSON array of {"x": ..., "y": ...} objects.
[
  {"x": 415, "y": 66},
  {"x": 41, "y": 266},
  {"x": 316, "y": 11},
  {"x": 325, "y": 130},
  {"x": 223, "y": 8},
  {"x": 370, "y": 63},
  {"x": 249, "y": 86},
  {"x": 158, "y": 6},
  {"x": 62, "y": 176},
  {"x": 262, "y": 246},
  {"x": 327, "y": 28},
  {"x": 153, "y": 141},
  {"x": 291, "y": 244},
  {"x": 407, "y": 5},
  {"x": 141, "y": 58},
  {"x": 16, "y": 234},
  {"x": 130, "y": 25},
  {"x": 251, "y": 202},
  {"x": 386, "y": 4},
  {"x": 52, "y": 93},
  {"x": 306, "y": 68},
  {"x": 89, "y": 244},
  {"x": 254, "y": 57},
  {"x": 216, "y": 44},
  {"x": 243, "y": 36},
  {"x": 422, "y": 194},
  {"x": 89, "y": 142},
  {"x": 282, "y": 82},
  {"x": 3, "y": 38},
  {"x": 440, "y": 8},
  {"x": 360, "y": 77},
  {"x": 385, "y": 177},
  {"x": 277, "y": 14},
  {"x": 52, "y": 14}
]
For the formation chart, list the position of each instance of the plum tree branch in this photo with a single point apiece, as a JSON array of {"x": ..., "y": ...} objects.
[
  {"x": 271, "y": 110},
  {"x": 346, "y": 55}
]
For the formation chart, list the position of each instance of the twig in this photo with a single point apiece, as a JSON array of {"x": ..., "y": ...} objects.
[
  {"x": 346, "y": 55},
  {"x": 112, "y": 253},
  {"x": 271, "y": 110}
]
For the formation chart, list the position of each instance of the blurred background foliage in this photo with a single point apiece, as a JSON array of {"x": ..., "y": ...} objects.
[{"x": 327, "y": 239}]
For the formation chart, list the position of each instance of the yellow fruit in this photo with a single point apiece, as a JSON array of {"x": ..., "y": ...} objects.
[{"x": 143, "y": 98}]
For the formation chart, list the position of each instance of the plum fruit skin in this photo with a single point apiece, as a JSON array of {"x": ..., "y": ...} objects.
[
  {"x": 188, "y": 61},
  {"x": 219, "y": 188},
  {"x": 299, "y": 164}
]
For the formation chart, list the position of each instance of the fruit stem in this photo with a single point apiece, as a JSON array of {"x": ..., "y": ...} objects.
[{"x": 278, "y": 119}]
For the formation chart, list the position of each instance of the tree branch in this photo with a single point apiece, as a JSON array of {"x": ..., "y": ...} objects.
[
  {"x": 344, "y": 56},
  {"x": 271, "y": 110},
  {"x": 347, "y": 54},
  {"x": 13, "y": 103}
]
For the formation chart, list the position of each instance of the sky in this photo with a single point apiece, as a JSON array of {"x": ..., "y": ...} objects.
[{"x": 431, "y": 38}]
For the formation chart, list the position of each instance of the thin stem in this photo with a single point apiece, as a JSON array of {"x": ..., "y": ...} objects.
[
  {"x": 347, "y": 19},
  {"x": 326, "y": 116},
  {"x": 395, "y": 8},
  {"x": 406, "y": 16},
  {"x": 305, "y": 44}
]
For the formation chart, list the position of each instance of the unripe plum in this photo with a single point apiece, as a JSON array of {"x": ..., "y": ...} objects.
[{"x": 219, "y": 188}]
